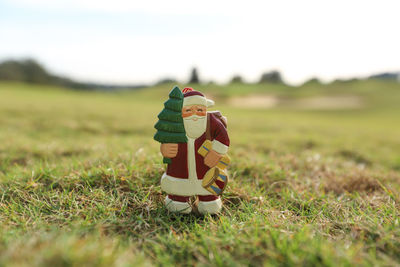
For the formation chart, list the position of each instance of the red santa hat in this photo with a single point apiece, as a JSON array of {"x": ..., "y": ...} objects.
[{"x": 192, "y": 97}]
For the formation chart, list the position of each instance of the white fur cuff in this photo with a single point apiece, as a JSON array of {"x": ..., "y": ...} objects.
[{"x": 219, "y": 147}]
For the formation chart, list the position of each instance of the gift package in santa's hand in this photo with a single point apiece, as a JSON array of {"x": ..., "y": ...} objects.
[
  {"x": 194, "y": 144},
  {"x": 216, "y": 178}
]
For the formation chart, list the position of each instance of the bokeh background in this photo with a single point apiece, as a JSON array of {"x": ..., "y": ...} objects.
[{"x": 311, "y": 90}]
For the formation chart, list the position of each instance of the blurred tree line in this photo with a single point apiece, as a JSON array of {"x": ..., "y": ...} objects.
[
  {"x": 273, "y": 76},
  {"x": 30, "y": 71},
  {"x": 26, "y": 70}
]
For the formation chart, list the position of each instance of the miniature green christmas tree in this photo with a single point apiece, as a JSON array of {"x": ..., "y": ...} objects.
[{"x": 170, "y": 127}]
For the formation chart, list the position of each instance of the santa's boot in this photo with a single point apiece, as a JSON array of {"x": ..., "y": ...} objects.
[
  {"x": 178, "y": 204},
  {"x": 209, "y": 204}
]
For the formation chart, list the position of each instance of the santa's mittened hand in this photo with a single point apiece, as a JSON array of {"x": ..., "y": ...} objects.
[
  {"x": 212, "y": 158},
  {"x": 169, "y": 150}
]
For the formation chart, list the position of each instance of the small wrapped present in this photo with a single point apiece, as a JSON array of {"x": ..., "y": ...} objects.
[
  {"x": 207, "y": 146},
  {"x": 215, "y": 180}
]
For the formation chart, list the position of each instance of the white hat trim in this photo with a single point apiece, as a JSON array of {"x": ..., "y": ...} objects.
[
  {"x": 194, "y": 100},
  {"x": 197, "y": 100},
  {"x": 210, "y": 103}
]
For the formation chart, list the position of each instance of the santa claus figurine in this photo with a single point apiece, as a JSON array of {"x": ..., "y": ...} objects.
[{"x": 187, "y": 168}]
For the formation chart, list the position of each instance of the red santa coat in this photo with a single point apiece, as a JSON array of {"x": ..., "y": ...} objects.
[{"x": 183, "y": 176}]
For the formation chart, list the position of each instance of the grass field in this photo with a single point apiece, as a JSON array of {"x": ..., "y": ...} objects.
[{"x": 79, "y": 180}]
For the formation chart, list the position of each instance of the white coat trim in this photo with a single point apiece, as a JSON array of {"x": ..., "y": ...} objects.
[
  {"x": 219, "y": 147},
  {"x": 185, "y": 187},
  {"x": 191, "y": 154},
  {"x": 182, "y": 187},
  {"x": 210, "y": 207}
]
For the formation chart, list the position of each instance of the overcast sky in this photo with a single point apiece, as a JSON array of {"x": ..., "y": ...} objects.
[{"x": 142, "y": 41}]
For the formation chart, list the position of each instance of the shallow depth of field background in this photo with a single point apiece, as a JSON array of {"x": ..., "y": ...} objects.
[
  {"x": 315, "y": 174},
  {"x": 80, "y": 179}
]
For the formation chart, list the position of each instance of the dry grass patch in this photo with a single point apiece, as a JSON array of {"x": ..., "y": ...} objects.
[{"x": 354, "y": 181}]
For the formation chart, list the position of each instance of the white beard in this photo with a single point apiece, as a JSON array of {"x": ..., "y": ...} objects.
[{"x": 195, "y": 128}]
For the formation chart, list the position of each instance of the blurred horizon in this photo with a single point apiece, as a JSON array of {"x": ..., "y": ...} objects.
[
  {"x": 121, "y": 42},
  {"x": 30, "y": 71}
]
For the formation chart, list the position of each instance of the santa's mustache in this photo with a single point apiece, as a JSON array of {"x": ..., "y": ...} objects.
[{"x": 194, "y": 118}]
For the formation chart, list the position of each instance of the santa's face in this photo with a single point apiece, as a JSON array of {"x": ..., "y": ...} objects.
[{"x": 194, "y": 120}]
